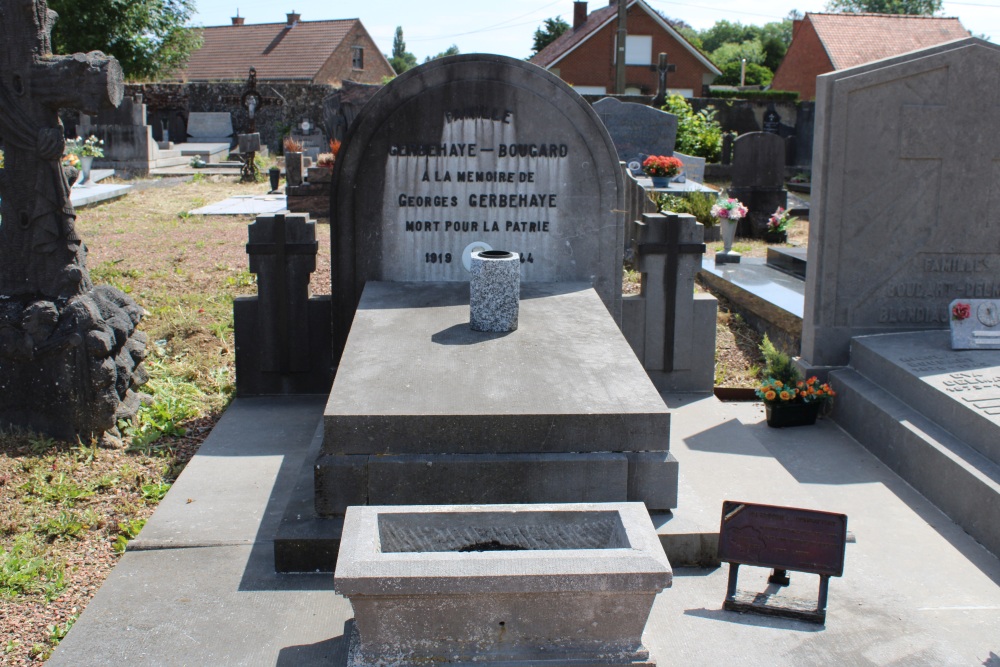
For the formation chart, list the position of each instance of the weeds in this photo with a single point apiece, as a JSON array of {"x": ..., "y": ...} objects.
[
  {"x": 24, "y": 571},
  {"x": 128, "y": 530}
]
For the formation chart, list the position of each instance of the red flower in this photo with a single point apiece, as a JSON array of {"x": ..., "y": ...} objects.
[
  {"x": 661, "y": 165},
  {"x": 961, "y": 311}
]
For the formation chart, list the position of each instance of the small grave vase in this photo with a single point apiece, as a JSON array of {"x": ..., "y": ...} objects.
[
  {"x": 86, "y": 162},
  {"x": 728, "y": 229},
  {"x": 660, "y": 181},
  {"x": 780, "y": 415},
  {"x": 494, "y": 291},
  {"x": 274, "y": 174},
  {"x": 775, "y": 237}
]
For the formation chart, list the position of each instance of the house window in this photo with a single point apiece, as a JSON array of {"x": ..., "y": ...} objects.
[
  {"x": 358, "y": 57},
  {"x": 639, "y": 50}
]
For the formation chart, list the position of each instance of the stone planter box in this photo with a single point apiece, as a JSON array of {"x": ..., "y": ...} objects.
[{"x": 558, "y": 584}]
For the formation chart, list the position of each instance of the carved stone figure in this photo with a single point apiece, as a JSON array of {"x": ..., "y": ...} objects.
[{"x": 70, "y": 357}]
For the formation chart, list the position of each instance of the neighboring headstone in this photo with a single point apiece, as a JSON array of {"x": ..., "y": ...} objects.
[
  {"x": 694, "y": 167},
  {"x": 637, "y": 130},
  {"x": 910, "y": 194},
  {"x": 128, "y": 141},
  {"x": 772, "y": 120},
  {"x": 70, "y": 355},
  {"x": 476, "y": 149},
  {"x": 210, "y": 127},
  {"x": 758, "y": 179},
  {"x": 282, "y": 336},
  {"x": 341, "y": 107}
]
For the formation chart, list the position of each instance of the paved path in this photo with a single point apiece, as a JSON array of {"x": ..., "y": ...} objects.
[{"x": 197, "y": 586}]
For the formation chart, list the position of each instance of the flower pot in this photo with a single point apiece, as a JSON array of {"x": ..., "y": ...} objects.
[
  {"x": 660, "y": 181},
  {"x": 274, "y": 174},
  {"x": 728, "y": 229},
  {"x": 775, "y": 237},
  {"x": 86, "y": 162},
  {"x": 780, "y": 415}
]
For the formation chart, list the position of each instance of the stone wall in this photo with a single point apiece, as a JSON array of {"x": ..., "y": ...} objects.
[{"x": 168, "y": 101}]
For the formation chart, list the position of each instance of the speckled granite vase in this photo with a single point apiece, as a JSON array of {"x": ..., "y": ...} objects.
[{"x": 495, "y": 291}]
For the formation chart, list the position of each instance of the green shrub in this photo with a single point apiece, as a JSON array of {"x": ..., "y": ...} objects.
[
  {"x": 766, "y": 95},
  {"x": 699, "y": 133},
  {"x": 698, "y": 204},
  {"x": 778, "y": 364},
  {"x": 755, "y": 75}
]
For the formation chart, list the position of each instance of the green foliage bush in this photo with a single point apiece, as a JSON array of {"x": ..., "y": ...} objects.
[
  {"x": 698, "y": 204},
  {"x": 778, "y": 364},
  {"x": 765, "y": 95},
  {"x": 699, "y": 133},
  {"x": 756, "y": 75}
]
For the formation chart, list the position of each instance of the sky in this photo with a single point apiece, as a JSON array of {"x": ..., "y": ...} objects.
[{"x": 506, "y": 27}]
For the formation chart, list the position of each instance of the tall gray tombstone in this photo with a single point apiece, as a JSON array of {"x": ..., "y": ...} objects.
[
  {"x": 906, "y": 189},
  {"x": 475, "y": 149},
  {"x": 637, "y": 130},
  {"x": 461, "y": 152},
  {"x": 759, "y": 178}
]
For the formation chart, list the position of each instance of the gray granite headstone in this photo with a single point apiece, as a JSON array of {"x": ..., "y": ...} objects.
[
  {"x": 210, "y": 127},
  {"x": 637, "y": 130},
  {"x": 758, "y": 161},
  {"x": 758, "y": 179},
  {"x": 905, "y": 195},
  {"x": 477, "y": 149},
  {"x": 694, "y": 167}
]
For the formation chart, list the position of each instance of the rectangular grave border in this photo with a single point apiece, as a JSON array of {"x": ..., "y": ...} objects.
[{"x": 821, "y": 538}]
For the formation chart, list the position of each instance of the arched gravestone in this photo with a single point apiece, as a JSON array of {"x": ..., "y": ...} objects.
[{"x": 478, "y": 148}]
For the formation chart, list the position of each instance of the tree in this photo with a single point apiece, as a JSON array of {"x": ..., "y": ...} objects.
[
  {"x": 147, "y": 37},
  {"x": 756, "y": 75},
  {"x": 729, "y": 52},
  {"x": 450, "y": 51},
  {"x": 915, "y": 7},
  {"x": 401, "y": 59},
  {"x": 549, "y": 32}
]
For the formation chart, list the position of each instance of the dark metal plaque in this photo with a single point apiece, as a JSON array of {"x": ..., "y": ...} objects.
[{"x": 783, "y": 538}]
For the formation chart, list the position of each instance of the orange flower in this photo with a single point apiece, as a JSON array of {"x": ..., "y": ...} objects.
[
  {"x": 770, "y": 395},
  {"x": 785, "y": 396}
]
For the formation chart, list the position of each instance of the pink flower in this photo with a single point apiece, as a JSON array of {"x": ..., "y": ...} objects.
[{"x": 961, "y": 311}]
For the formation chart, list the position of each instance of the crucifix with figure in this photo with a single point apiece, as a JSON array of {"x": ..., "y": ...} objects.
[{"x": 70, "y": 354}]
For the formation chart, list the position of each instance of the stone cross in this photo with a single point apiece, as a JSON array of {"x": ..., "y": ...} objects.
[
  {"x": 282, "y": 251},
  {"x": 662, "y": 68},
  {"x": 251, "y": 100},
  {"x": 69, "y": 352}
]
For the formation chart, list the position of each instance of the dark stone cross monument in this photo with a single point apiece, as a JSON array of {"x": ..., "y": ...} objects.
[
  {"x": 69, "y": 352},
  {"x": 249, "y": 142}
]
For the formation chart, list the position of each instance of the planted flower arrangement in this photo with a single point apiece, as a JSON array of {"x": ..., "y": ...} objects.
[
  {"x": 777, "y": 226},
  {"x": 85, "y": 150},
  {"x": 661, "y": 168},
  {"x": 789, "y": 399}
]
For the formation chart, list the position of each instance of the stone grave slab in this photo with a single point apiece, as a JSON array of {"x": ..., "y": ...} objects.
[
  {"x": 417, "y": 388},
  {"x": 959, "y": 388},
  {"x": 638, "y": 130},
  {"x": 910, "y": 194},
  {"x": 694, "y": 167},
  {"x": 468, "y": 150}
]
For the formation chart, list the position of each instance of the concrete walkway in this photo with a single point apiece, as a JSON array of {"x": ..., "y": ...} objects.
[{"x": 197, "y": 587}]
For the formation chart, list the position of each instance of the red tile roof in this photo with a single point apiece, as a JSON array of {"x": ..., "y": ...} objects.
[
  {"x": 855, "y": 39},
  {"x": 277, "y": 50},
  {"x": 596, "y": 20}
]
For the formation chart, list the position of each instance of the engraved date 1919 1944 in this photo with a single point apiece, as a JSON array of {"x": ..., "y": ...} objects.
[{"x": 446, "y": 258}]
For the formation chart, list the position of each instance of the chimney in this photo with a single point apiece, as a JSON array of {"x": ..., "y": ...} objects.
[
  {"x": 238, "y": 20},
  {"x": 293, "y": 18},
  {"x": 579, "y": 14}
]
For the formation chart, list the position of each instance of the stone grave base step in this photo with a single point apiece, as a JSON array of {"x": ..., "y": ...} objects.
[
  {"x": 474, "y": 479},
  {"x": 962, "y": 482},
  {"x": 954, "y": 388}
]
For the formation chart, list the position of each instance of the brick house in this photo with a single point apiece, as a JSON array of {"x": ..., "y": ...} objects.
[
  {"x": 584, "y": 55},
  {"x": 326, "y": 52},
  {"x": 824, "y": 43}
]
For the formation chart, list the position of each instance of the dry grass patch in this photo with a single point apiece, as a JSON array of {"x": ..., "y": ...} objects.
[{"x": 67, "y": 510}]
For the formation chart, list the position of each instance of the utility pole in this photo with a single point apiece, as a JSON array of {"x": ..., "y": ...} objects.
[{"x": 622, "y": 37}]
